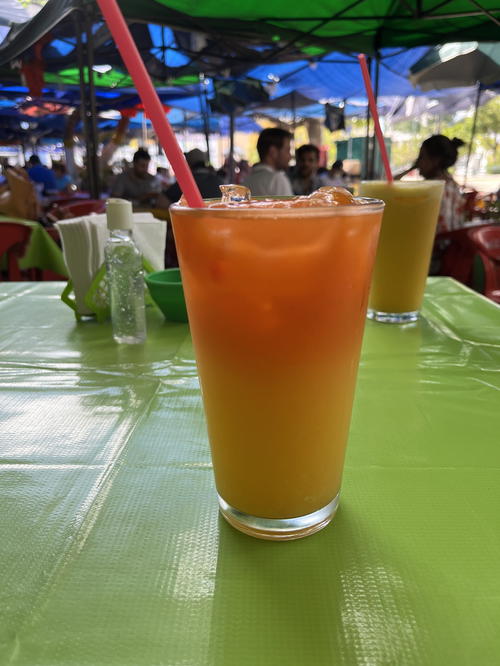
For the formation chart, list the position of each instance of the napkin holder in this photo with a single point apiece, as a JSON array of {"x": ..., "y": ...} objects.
[{"x": 83, "y": 240}]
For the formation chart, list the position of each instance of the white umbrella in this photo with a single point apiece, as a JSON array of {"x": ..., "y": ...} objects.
[
  {"x": 457, "y": 64},
  {"x": 11, "y": 11}
]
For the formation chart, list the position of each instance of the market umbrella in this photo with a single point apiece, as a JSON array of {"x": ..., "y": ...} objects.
[
  {"x": 457, "y": 64},
  {"x": 13, "y": 12}
]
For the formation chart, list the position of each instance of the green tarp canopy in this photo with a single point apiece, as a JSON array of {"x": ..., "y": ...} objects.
[{"x": 284, "y": 29}]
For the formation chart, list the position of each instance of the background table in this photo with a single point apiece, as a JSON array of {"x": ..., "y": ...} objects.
[{"x": 111, "y": 547}]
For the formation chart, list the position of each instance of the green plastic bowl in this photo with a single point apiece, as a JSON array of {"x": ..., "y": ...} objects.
[{"x": 166, "y": 291}]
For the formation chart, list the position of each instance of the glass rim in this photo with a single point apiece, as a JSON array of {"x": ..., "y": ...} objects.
[
  {"x": 432, "y": 181},
  {"x": 367, "y": 205}
]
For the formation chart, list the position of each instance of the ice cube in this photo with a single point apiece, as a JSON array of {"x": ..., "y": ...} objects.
[
  {"x": 333, "y": 194},
  {"x": 234, "y": 193}
]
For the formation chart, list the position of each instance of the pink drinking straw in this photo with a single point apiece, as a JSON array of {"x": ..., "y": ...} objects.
[
  {"x": 374, "y": 112},
  {"x": 149, "y": 97}
]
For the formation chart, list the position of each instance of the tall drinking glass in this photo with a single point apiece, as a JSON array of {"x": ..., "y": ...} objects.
[
  {"x": 405, "y": 247},
  {"x": 276, "y": 299}
]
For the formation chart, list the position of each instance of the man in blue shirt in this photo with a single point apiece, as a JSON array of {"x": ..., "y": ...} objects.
[{"x": 40, "y": 174}]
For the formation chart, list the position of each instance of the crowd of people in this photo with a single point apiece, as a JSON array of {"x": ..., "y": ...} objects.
[{"x": 270, "y": 176}]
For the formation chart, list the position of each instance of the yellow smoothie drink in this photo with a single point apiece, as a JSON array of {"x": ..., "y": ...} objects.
[
  {"x": 405, "y": 247},
  {"x": 276, "y": 296}
]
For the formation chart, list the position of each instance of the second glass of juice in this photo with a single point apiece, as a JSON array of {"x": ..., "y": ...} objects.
[
  {"x": 277, "y": 296},
  {"x": 405, "y": 247}
]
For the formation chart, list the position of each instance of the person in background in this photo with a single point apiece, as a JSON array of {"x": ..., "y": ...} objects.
[
  {"x": 4, "y": 166},
  {"x": 305, "y": 179},
  {"x": 41, "y": 175},
  {"x": 242, "y": 171},
  {"x": 164, "y": 176},
  {"x": 62, "y": 177},
  {"x": 267, "y": 177},
  {"x": 337, "y": 175},
  {"x": 437, "y": 154},
  {"x": 137, "y": 184},
  {"x": 206, "y": 178}
]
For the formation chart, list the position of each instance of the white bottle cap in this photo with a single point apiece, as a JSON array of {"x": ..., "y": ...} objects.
[{"x": 119, "y": 214}]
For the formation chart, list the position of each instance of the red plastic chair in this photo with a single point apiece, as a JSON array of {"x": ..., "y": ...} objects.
[
  {"x": 83, "y": 208},
  {"x": 63, "y": 201},
  {"x": 455, "y": 252},
  {"x": 14, "y": 238},
  {"x": 75, "y": 209},
  {"x": 487, "y": 243}
]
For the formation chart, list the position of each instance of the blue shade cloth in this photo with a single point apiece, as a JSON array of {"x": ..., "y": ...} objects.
[
  {"x": 112, "y": 549},
  {"x": 339, "y": 75},
  {"x": 163, "y": 36}
]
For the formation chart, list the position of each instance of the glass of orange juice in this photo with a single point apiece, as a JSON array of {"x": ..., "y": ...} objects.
[
  {"x": 276, "y": 293},
  {"x": 405, "y": 247}
]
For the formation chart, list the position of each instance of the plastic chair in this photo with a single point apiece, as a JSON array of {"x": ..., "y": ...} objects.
[
  {"x": 63, "y": 201},
  {"x": 486, "y": 241},
  {"x": 14, "y": 238},
  {"x": 76, "y": 209},
  {"x": 454, "y": 252},
  {"x": 20, "y": 199},
  {"x": 84, "y": 208}
]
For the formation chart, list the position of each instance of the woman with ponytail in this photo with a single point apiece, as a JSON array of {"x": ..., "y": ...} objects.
[{"x": 437, "y": 154}]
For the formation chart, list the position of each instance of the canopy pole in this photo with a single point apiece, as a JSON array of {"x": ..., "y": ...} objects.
[
  {"x": 293, "y": 115},
  {"x": 92, "y": 162},
  {"x": 473, "y": 132},
  {"x": 485, "y": 12},
  {"x": 371, "y": 167},
  {"x": 206, "y": 119},
  {"x": 365, "y": 170},
  {"x": 231, "y": 147},
  {"x": 83, "y": 98}
]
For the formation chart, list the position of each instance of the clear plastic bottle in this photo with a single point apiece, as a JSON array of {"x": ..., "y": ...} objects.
[{"x": 125, "y": 275}]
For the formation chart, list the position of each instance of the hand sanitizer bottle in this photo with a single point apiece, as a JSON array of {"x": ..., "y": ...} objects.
[{"x": 125, "y": 275}]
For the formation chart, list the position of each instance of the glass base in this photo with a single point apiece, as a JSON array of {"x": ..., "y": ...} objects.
[
  {"x": 279, "y": 529},
  {"x": 130, "y": 339},
  {"x": 393, "y": 317}
]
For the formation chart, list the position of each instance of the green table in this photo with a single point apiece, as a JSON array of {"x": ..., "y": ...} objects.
[
  {"x": 111, "y": 547},
  {"x": 42, "y": 251}
]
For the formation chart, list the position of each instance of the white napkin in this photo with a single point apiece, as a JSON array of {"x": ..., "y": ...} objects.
[{"x": 83, "y": 240}]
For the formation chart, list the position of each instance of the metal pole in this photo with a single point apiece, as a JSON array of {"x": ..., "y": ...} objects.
[
  {"x": 83, "y": 99},
  {"x": 206, "y": 120},
  {"x": 365, "y": 171},
  {"x": 371, "y": 167},
  {"x": 206, "y": 117},
  {"x": 293, "y": 114},
  {"x": 92, "y": 162},
  {"x": 473, "y": 132},
  {"x": 231, "y": 147}
]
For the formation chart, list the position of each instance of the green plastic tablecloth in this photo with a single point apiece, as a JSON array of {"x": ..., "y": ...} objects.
[
  {"x": 111, "y": 547},
  {"x": 42, "y": 251}
]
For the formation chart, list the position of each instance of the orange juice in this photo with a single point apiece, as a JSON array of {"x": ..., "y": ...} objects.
[
  {"x": 276, "y": 299},
  {"x": 405, "y": 246}
]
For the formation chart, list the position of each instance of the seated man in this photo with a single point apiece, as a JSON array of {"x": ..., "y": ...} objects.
[
  {"x": 137, "y": 184},
  {"x": 207, "y": 180},
  {"x": 267, "y": 177},
  {"x": 63, "y": 179},
  {"x": 305, "y": 179},
  {"x": 40, "y": 174}
]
